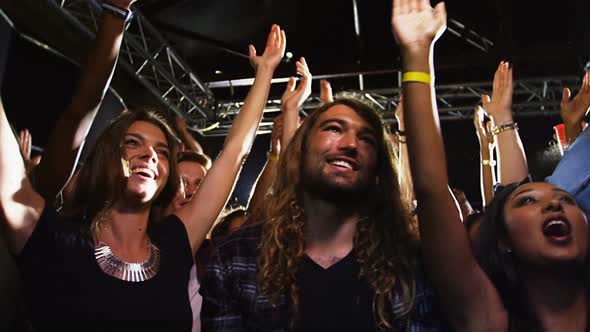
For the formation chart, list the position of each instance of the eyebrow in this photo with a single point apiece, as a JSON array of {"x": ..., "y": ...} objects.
[
  {"x": 554, "y": 190},
  {"x": 364, "y": 129},
  {"x": 141, "y": 137}
]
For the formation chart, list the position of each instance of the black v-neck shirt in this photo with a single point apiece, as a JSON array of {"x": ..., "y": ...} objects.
[{"x": 334, "y": 299}]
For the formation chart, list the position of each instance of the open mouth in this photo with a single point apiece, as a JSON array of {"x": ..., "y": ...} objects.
[
  {"x": 144, "y": 172},
  {"x": 557, "y": 229},
  {"x": 344, "y": 164}
]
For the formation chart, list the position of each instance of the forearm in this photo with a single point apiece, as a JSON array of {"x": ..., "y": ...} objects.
[
  {"x": 189, "y": 141},
  {"x": 512, "y": 163},
  {"x": 427, "y": 160},
  {"x": 487, "y": 177},
  {"x": 72, "y": 127},
  {"x": 261, "y": 187},
  {"x": 244, "y": 127},
  {"x": 290, "y": 126},
  {"x": 20, "y": 206}
]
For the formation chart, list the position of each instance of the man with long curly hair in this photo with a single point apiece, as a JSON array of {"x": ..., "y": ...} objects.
[{"x": 337, "y": 250}]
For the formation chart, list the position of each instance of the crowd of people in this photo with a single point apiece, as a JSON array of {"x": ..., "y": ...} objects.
[{"x": 351, "y": 226}]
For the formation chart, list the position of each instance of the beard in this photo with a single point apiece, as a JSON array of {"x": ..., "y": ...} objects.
[{"x": 334, "y": 191}]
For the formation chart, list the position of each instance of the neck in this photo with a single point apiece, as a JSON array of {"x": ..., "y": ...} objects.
[
  {"x": 329, "y": 228},
  {"x": 558, "y": 299},
  {"x": 125, "y": 230}
]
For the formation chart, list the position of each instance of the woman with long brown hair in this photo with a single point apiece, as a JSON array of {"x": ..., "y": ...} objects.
[{"x": 108, "y": 265}]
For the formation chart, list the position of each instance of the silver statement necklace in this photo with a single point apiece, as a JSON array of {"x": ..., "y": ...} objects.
[
  {"x": 114, "y": 266},
  {"x": 120, "y": 269}
]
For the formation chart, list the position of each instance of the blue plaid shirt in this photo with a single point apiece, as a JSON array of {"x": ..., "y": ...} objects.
[{"x": 232, "y": 301}]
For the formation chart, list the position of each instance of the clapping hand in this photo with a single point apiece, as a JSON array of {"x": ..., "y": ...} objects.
[
  {"x": 294, "y": 97},
  {"x": 573, "y": 111}
]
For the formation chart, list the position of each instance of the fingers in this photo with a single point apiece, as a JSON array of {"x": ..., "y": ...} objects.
[
  {"x": 290, "y": 84},
  {"x": 440, "y": 13},
  {"x": 565, "y": 96},
  {"x": 251, "y": 51},
  {"x": 326, "y": 92},
  {"x": 283, "y": 43},
  {"x": 273, "y": 36},
  {"x": 485, "y": 99}
]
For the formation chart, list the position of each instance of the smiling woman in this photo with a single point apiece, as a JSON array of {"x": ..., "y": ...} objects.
[{"x": 107, "y": 261}]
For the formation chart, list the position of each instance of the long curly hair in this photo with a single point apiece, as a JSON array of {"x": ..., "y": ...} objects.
[{"x": 385, "y": 243}]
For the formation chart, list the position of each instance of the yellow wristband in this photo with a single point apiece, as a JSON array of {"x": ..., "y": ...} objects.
[
  {"x": 272, "y": 157},
  {"x": 416, "y": 76}
]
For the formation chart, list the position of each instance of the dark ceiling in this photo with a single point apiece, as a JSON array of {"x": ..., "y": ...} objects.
[{"x": 540, "y": 39}]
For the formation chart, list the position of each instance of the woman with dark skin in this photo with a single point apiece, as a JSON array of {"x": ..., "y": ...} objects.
[
  {"x": 530, "y": 275},
  {"x": 138, "y": 274}
]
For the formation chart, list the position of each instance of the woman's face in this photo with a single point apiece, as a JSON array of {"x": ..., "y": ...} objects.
[
  {"x": 545, "y": 226},
  {"x": 146, "y": 163}
]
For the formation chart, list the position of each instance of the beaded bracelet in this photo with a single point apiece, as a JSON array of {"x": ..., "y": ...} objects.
[
  {"x": 502, "y": 128},
  {"x": 487, "y": 162}
]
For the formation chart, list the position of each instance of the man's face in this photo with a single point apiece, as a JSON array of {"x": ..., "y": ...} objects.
[
  {"x": 191, "y": 174},
  {"x": 341, "y": 155}
]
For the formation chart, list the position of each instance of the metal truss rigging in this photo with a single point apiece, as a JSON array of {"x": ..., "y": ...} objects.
[
  {"x": 532, "y": 97},
  {"x": 148, "y": 56}
]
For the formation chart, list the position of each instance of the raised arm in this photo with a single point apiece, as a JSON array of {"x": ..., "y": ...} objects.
[
  {"x": 264, "y": 181},
  {"x": 66, "y": 140},
  {"x": 20, "y": 205},
  {"x": 403, "y": 161},
  {"x": 189, "y": 142},
  {"x": 469, "y": 299},
  {"x": 486, "y": 155},
  {"x": 199, "y": 215},
  {"x": 292, "y": 100},
  {"x": 573, "y": 111},
  {"x": 512, "y": 163}
]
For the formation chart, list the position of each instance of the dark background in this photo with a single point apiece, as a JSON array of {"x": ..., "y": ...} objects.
[{"x": 540, "y": 39}]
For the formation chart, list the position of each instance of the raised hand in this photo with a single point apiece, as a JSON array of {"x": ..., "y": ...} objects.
[
  {"x": 483, "y": 130},
  {"x": 274, "y": 51},
  {"x": 326, "y": 95},
  {"x": 573, "y": 111},
  {"x": 416, "y": 24},
  {"x": 499, "y": 106},
  {"x": 294, "y": 97},
  {"x": 25, "y": 141}
]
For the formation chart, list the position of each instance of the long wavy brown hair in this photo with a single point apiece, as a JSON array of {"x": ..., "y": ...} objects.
[
  {"x": 101, "y": 179},
  {"x": 385, "y": 243}
]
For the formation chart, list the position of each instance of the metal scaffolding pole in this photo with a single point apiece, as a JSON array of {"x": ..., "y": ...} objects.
[{"x": 532, "y": 97}]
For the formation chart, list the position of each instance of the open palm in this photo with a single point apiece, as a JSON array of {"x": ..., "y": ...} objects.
[{"x": 414, "y": 22}]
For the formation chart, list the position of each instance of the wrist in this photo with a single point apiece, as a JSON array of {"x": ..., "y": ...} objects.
[
  {"x": 272, "y": 156},
  {"x": 500, "y": 119},
  {"x": 265, "y": 71},
  {"x": 418, "y": 59}
]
